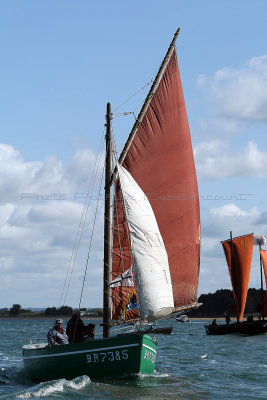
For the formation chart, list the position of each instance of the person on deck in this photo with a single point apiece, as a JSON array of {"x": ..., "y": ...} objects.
[
  {"x": 57, "y": 335},
  {"x": 214, "y": 322},
  {"x": 89, "y": 332},
  {"x": 227, "y": 318},
  {"x": 77, "y": 331}
]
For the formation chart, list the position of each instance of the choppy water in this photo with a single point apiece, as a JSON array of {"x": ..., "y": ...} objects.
[{"x": 190, "y": 365}]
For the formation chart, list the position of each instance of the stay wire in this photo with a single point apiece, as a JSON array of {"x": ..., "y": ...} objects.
[
  {"x": 84, "y": 216},
  {"x": 135, "y": 94},
  {"x": 81, "y": 224},
  {"x": 91, "y": 238}
]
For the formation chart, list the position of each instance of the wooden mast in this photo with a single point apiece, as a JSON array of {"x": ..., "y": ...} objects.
[
  {"x": 262, "y": 292},
  {"x": 106, "y": 295},
  {"x": 232, "y": 260}
]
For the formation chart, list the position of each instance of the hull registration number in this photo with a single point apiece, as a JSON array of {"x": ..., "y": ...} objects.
[
  {"x": 111, "y": 356},
  {"x": 150, "y": 356}
]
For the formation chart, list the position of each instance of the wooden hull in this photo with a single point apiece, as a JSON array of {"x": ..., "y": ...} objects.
[
  {"x": 102, "y": 358},
  {"x": 246, "y": 327}
]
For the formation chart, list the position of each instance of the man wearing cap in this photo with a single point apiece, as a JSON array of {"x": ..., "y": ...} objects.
[{"x": 57, "y": 335}]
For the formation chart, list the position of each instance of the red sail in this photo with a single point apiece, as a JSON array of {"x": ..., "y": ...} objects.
[
  {"x": 121, "y": 262},
  {"x": 161, "y": 161},
  {"x": 264, "y": 263},
  {"x": 238, "y": 253}
]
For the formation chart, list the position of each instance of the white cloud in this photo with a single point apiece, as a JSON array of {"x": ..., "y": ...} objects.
[
  {"x": 238, "y": 102},
  {"x": 216, "y": 226},
  {"x": 231, "y": 210},
  {"x": 220, "y": 220},
  {"x": 240, "y": 93},
  {"x": 214, "y": 160},
  {"x": 38, "y": 228},
  {"x": 32, "y": 180}
]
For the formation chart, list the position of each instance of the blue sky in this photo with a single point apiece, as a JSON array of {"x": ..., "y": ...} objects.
[{"x": 60, "y": 64}]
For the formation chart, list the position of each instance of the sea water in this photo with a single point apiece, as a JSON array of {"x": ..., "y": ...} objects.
[{"x": 190, "y": 365}]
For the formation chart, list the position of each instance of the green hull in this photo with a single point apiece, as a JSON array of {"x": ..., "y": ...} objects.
[{"x": 100, "y": 358}]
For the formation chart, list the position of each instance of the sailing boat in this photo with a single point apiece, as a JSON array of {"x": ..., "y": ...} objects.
[
  {"x": 152, "y": 250},
  {"x": 238, "y": 252}
]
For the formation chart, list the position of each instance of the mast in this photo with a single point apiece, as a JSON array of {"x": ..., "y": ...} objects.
[
  {"x": 262, "y": 292},
  {"x": 149, "y": 97},
  {"x": 106, "y": 297},
  {"x": 232, "y": 259},
  {"x": 231, "y": 238}
]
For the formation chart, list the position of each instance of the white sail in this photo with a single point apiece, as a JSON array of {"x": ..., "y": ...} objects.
[{"x": 149, "y": 253}]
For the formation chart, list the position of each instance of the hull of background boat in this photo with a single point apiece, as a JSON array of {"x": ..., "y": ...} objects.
[
  {"x": 101, "y": 358},
  {"x": 247, "y": 327},
  {"x": 163, "y": 331}
]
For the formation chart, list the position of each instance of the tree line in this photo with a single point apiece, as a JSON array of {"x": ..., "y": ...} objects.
[
  {"x": 214, "y": 305},
  {"x": 222, "y": 301},
  {"x": 65, "y": 311}
]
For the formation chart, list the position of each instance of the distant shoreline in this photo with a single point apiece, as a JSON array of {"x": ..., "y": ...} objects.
[
  {"x": 47, "y": 318},
  {"x": 5, "y": 318}
]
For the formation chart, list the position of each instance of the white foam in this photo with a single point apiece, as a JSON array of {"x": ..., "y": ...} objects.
[{"x": 48, "y": 388}]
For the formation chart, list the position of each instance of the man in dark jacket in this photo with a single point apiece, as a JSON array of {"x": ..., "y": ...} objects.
[
  {"x": 77, "y": 331},
  {"x": 57, "y": 335}
]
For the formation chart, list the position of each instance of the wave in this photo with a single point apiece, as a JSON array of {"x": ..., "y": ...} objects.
[{"x": 52, "y": 387}]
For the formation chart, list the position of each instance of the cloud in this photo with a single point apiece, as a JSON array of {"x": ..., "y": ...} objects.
[
  {"x": 240, "y": 93},
  {"x": 216, "y": 226},
  {"x": 40, "y": 214},
  {"x": 36, "y": 179},
  {"x": 237, "y": 105},
  {"x": 220, "y": 220},
  {"x": 214, "y": 160}
]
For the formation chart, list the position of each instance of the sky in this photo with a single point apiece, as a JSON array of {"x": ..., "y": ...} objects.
[{"x": 61, "y": 62}]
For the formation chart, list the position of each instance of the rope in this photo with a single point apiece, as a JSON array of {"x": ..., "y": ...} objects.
[
  {"x": 91, "y": 239},
  {"x": 135, "y": 94},
  {"x": 81, "y": 224},
  {"x": 123, "y": 114}
]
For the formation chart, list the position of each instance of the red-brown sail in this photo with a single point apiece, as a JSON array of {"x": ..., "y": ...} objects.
[
  {"x": 238, "y": 253},
  {"x": 264, "y": 263},
  {"x": 160, "y": 159},
  {"x": 121, "y": 262}
]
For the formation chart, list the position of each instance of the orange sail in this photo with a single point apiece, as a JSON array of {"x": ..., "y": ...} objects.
[
  {"x": 264, "y": 263},
  {"x": 160, "y": 159},
  {"x": 238, "y": 253}
]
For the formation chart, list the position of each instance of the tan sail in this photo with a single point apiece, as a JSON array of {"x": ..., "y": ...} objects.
[{"x": 238, "y": 252}]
